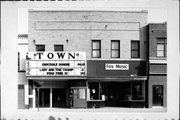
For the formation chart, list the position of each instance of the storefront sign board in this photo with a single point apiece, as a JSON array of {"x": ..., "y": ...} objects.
[{"x": 113, "y": 66}]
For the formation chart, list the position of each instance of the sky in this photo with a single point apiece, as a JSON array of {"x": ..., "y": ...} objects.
[{"x": 154, "y": 16}]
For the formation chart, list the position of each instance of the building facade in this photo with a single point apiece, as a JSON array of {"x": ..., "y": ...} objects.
[
  {"x": 92, "y": 59},
  {"x": 157, "y": 64}
]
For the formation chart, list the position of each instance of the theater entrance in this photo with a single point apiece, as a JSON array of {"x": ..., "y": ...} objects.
[
  {"x": 44, "y": 97},
  {"x": 58, "y": 97}
]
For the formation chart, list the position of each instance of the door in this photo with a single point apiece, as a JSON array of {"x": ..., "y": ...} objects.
[
  {"x": 58, "y": 97},
  {"x": 157, "y": 95},
  {"x": 79, "y": 98},
  {"x": 21, "y": 104},
  {"x": 44, "y": 97}
]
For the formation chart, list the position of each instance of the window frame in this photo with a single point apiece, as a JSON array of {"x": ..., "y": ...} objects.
[
  {"x": 164, "y": 47},
  {"x": 134, "y": 50},
  {"x": 40, "y": 45},
  {"x": 96, "y": 49},
  {"x": 59, "y": 45},
  {"x": 115, "y": 49}
]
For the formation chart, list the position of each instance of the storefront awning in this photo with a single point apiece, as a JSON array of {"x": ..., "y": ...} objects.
[
  {"x": 101, "y": 78},
  {"x": 117, "y": 78}
]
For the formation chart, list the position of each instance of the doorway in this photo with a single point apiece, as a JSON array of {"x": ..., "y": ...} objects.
[
  {"x": 44, "y": 97},
  {"x": 21, "y": 96},
  {"x": 58, "y": 97},
  {"x": 157, "y": 95}
]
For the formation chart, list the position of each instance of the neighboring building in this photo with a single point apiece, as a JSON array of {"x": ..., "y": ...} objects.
[
  {"x": 157, "y": 64},
  {"x": 22, "y": 81},
  {"x": 91, "y": 59}
]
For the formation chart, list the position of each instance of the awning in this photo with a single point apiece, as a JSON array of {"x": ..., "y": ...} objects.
[
  {"x": 90, "y": 78},
  {"x": 117, "y": 78}
]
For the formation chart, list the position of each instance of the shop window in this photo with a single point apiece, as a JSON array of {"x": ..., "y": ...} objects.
[
  {"x": 161, "y": 47},
  {"x": 40, "y": 47},
  {"x": 137, "y": 91},
  {"x": 58, "y": 47},
  {"x": 115, "y": 49},
  {"x": 96, "y": 48},
  {"x": 94, "y": 90},
  {"x": 124, "y": 91},
  {"x": 135, "y": 49}
]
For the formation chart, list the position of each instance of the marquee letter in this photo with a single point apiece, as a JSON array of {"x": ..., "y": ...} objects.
[
  {"x": 60, "y": 55},
  {"x": 50, "y": 57},
  {"x": 39, "y": 55},
  {"x": 70, "y": 55}
]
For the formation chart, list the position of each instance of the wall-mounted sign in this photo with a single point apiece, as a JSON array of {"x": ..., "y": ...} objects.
[
  {"x": 72, "y": 64},
  {"x": 113, "y": 66}
]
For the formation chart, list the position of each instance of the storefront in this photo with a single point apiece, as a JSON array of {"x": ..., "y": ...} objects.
[
  {"x": 68, "y": 80},
  {"x": 117, "y": 92}
]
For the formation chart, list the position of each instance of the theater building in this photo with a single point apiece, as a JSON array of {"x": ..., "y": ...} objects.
[{"x": 92, "y": 59}]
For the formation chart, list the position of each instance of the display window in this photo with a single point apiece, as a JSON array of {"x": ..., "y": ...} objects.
[{"x": 94, "y": 90}]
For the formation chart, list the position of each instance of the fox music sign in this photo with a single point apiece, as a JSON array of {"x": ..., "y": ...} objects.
[{"x": 56, "y": 64}]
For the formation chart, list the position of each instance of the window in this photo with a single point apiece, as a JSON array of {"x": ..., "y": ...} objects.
[
  {"x": 94, "y": 88},
  {"x": 40, "y": 47},
  {"x": 135, "y": 49},
  {"x": 161, "y": 47},
  {"x": 96, "y": 48},
  {"x": 18, "y": 61},
  {"x": 138, "y": 90},
  {"x": 22, "y": 51},
  {"x": 115, "y": 49},
  {"x": 58, "y": 48}
]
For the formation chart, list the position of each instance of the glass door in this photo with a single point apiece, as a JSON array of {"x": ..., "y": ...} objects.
[
  {"x": 58, "y": 97},
  {"x": 44, "y": 97},
  {"x": 157, "y": 95}
]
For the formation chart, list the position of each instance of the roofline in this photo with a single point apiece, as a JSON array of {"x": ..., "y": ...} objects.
[
  {"x": 157, "y": 23},
  {"x": 123, "y": 11}
]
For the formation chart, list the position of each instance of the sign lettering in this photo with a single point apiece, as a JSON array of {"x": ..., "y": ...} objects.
[
  {"x": 56, "y": 55},
  {"x": 116, "y": 66},
  {"x": 56, "y": 64}
]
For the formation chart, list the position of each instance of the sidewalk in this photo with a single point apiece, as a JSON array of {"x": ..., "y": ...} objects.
[{"x": 107, "y": 113}]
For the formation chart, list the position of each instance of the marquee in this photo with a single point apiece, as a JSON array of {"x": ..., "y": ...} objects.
[{"x": 56, "y": 64}]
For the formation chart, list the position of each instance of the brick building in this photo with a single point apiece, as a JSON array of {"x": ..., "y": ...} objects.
[
  {"x": 87, "y": 59},
  {"x": 157, "y": 64}
]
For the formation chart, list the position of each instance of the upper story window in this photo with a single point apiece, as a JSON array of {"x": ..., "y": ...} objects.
[
  {"x": 96, "y": 48},
  {"x": 135, "y": 49},
  {"x": 58, "y": 48},
  {"x": 115, "y": 49},
  {"x": 22, "y": 50},
  {"x": 161, "y": 47},
  {"x": 40, "y": 47}
]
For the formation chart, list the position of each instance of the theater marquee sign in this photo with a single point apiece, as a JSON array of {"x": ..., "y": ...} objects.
[{"x": 56, "y": 64}]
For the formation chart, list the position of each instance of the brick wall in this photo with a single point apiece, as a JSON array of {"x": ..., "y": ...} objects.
[
  {"x": 76, "y": 29},
  {"x": 156, "y": 31}
]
